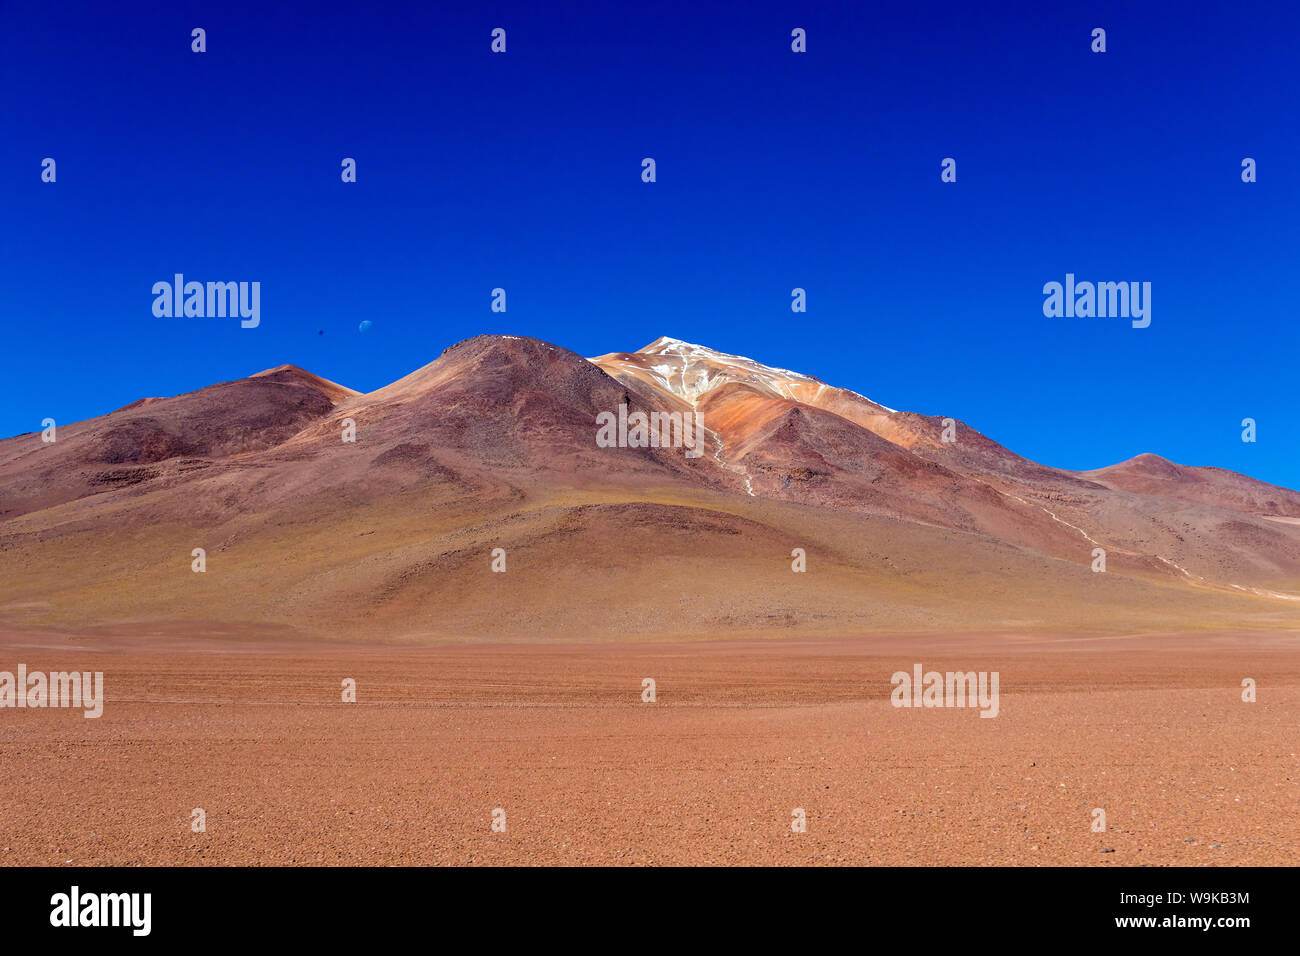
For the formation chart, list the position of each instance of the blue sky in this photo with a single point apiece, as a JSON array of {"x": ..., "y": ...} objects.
[{"x": 775, "y": 170}]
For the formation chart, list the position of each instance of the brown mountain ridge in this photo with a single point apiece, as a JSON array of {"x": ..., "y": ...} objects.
[{"x": 493, "y": 445}]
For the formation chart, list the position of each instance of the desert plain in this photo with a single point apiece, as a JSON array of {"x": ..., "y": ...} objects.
[{"x": 250, "y": 727}]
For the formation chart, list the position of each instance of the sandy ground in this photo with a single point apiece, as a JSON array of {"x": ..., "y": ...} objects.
[{"x": 251, "y": 728}]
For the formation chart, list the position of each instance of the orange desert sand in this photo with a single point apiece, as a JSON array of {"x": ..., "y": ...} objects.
[{"x": 252, "y": 730}]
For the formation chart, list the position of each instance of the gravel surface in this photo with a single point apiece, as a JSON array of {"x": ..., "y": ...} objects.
[{"x": 1152, "y": 730}]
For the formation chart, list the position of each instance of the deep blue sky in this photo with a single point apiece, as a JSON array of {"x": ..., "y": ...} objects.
[{"x": 775, "y": 170}]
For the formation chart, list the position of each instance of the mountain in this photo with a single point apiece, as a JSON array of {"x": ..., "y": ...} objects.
[
  {"x": 1153, "y": 475},
  {"x": 494, "y": 445},
  {"x": 157, "y": 438}
]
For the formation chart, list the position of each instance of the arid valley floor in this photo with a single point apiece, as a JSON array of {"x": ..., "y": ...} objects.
[{"x": 250, "y": 727}]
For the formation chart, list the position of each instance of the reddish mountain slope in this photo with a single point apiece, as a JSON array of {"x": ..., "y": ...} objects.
[
  {"x": 493, "y": 445},
  {"x": 159, "y": 437},
  {"x": 1152, "y": 475}
]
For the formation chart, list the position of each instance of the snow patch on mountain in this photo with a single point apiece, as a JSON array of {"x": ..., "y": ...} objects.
[{"x": 692, "y": 370}]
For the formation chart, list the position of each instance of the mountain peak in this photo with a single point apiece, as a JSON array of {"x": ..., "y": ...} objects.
[
  {"x": 1146, "y": 463},
  {"x": 292, "y": 374},
  {"x": 667, "y": 345},
  {"x": 279, "y": 368},
  {"x": 664, "y": 341},
  {"x": 689, "y": 371}
]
